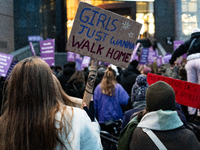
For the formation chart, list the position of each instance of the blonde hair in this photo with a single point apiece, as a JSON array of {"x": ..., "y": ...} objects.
[{"x": 108, "y": 82}]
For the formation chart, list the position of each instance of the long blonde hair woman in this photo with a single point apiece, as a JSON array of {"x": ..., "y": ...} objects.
[
  {"x": 108, "y": 98},
  {"x": 35, "y": 117}
]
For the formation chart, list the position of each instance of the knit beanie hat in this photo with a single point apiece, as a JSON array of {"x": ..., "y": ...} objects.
[
  {"x": 160, "y": 95},
  {"x": 146, "y": 70},
  {"x": 139, "y": 89}
]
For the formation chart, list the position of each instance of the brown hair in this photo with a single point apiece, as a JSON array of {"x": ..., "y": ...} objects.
[
  {"x": 28, "y": 121},
  {"x": 67, "y": 100},
  {"x": 108, "y": 82},
  {"x": 78, "y": 76}
]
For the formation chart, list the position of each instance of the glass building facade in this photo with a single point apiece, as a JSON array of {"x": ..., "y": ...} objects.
[{"x": 54, "y": 18}]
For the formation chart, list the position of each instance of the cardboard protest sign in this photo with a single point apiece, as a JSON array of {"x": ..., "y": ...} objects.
[
  {"x": 187, "y": 93},
  {"x": 144, "y": 56},
  {"x": 47, "y": 51},
  {"x": 5, "y": 62},
  {"x": 32, "y": 48},
  {"x": 103, "y": 35}
]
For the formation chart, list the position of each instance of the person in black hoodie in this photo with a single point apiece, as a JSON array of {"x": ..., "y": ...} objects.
[
  {"x": 128, "y": 78},
  {"x": 192, "y": 48},
  {"x": 76, "y": 85},
  {"x": 67, "y": 72}
]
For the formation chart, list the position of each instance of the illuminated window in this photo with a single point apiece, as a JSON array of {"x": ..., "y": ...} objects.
[
  {"x": 189, "y": 16},
  {"x": 145, "y": 16}
]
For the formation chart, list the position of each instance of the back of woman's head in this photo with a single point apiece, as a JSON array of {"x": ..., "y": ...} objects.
[
  {"x": 108, "y": 82},
  {"x": 78, "y": 76},
  {"x": 28, "y": 119}
]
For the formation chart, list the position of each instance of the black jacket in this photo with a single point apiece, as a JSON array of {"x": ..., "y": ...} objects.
[
  {"x": 75, "y": 89},
  {"x": 66, "y": 75},
  {"x": 128, "y": 78},
  {"x": 184, "y": 48}
]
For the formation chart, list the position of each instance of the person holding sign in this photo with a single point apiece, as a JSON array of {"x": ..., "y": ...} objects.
[
  {"x": 192, "y": 48},
  {"x": 35, "y": 115},
  {"x": 108, "y": 98}
]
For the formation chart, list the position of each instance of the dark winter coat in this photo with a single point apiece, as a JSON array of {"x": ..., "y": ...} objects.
[
  {"x": 177, "y": 139},
  {"x": 184, "y": 48},
  {"x": 75, "y": 89},
  {"x": 169, "y": 129},
  {"x": 128, "y": 78},
  {"x": 66, "y": 75}
]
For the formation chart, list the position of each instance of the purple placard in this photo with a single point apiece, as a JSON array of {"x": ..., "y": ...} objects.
[
  {"x": 70, "y": 56},
  {"x": 35, "y": 38},
  {"x": 10, "y": 69},
  {"x": 177, "y": 44},
  {"x": 5, "y": 62},
  {"x": 136, "y": 57},
  {"x": 85, "y": 62},
  {"x": 134, "y": 51},
  {"x": 144, "y": 56},
  {"x": 151, "y": 56},
  {"x": 32, "y": 48},
  {"x": 47, "y": 51},
  {"x": 166, "y": 58},
  {"x": 78, "y": 63},
  {"x": 77, "y": 56},
  {"x": 159, "y": 61}
]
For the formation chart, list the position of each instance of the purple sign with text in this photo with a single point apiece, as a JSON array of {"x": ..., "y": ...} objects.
[
  {"x": 5, "y": 62},
  {"x": 35, "y": 38},
  {"x": 47, "y": 51},
  {"x": 32, "y": 48},
  {"x": 70, "y": 56},
  {"x": 85, "y": 62},
  {"x": 144, "y": 56},
  {"x": 151, "y": 56}
]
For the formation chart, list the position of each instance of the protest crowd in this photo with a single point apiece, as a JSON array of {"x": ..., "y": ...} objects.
[{"x": 146, "y": 105}]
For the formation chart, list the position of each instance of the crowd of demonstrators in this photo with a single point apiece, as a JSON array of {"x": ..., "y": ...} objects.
[
  {"x": 158, "y": 126},
  {"x": 35, "y": 115},
  {"x": 108, "y": 98},
  {"x": 76, "y": 85}
]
